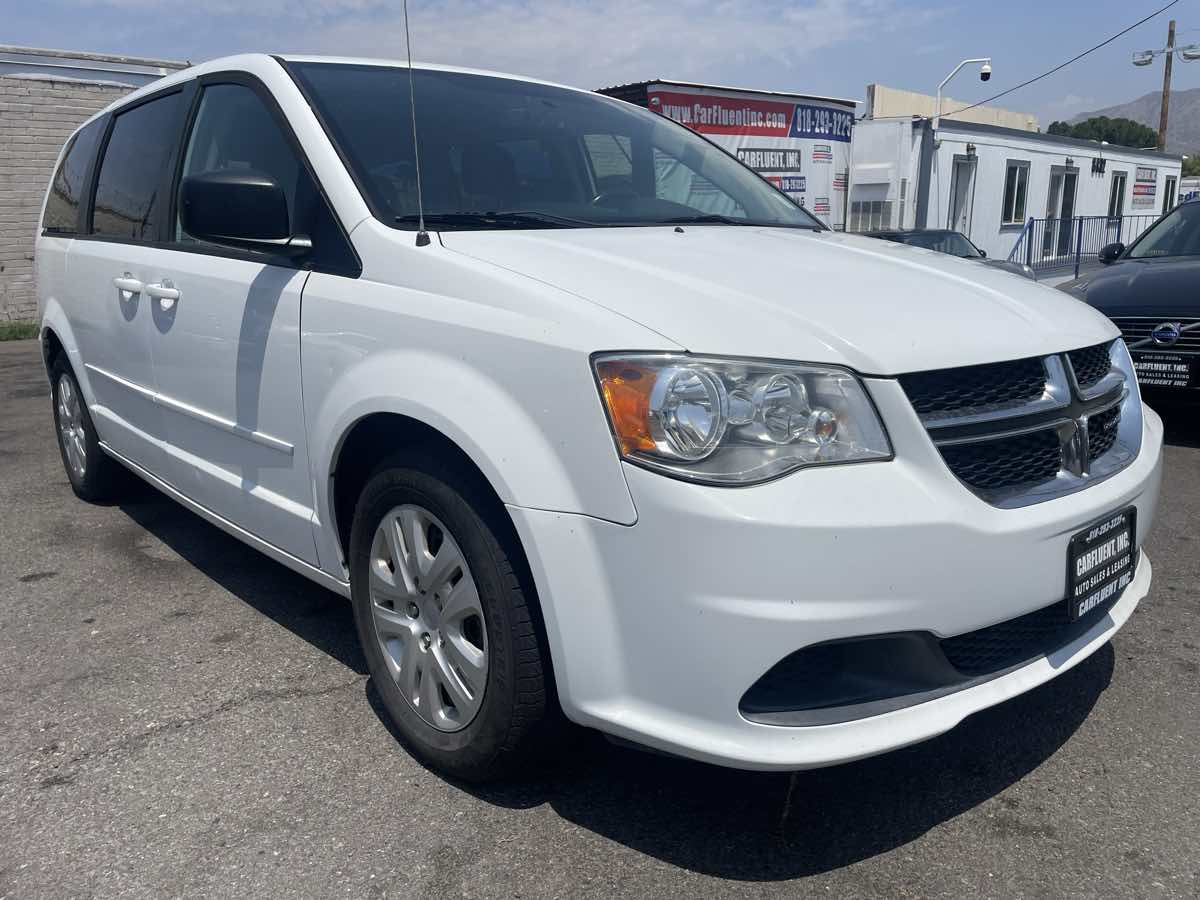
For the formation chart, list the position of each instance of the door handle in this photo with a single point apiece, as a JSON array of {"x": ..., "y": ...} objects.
[
  {"x": 128, "y": 284},
  {"x": 165, "y": 293}
]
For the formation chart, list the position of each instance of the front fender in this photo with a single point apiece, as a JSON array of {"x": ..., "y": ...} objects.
[{"x": 540, "y": 445}]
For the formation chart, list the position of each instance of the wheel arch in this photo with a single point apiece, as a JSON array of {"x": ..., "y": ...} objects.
[{"x": 370, "y": 440}]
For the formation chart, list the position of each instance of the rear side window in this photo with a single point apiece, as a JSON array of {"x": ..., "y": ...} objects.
[
  {"x": 66, "y": 190},
  {"x": 129, "y": 202}
]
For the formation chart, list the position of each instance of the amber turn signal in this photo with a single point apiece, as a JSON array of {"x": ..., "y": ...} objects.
[{"x": 626, "y": 388}]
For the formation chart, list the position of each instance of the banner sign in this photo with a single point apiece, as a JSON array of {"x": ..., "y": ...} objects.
[
  {"x": 770, "y": 159},
  {"x": 801, "y": 146},
  {"x": 822, "y": 122},
  {"x": 1145, "y": 187}
]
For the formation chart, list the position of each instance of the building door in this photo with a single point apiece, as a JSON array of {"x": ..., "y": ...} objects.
[
  {"x": 1169, "y": 195},
  {"x": 1060, "y": 211},
  {"x": 962, "y": 194}
]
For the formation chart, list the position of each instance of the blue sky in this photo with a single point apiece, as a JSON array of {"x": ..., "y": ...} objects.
[{"x": 833, "y": 47}]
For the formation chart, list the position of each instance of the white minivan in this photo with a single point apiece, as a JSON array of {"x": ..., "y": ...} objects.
[{"x": 626, "y": 438}]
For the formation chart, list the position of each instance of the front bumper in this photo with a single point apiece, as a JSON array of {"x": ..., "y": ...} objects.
[{"x": 658, "y": 629}]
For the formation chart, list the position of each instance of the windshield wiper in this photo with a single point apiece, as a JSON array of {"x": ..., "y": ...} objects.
[
  {"x": 506, "y": 219},
  {"x": 718, "y": 219}
]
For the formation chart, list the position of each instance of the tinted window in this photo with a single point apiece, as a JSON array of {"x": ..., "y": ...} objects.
[
  {"x": 128, "y": 196},
  {"x": 1176, "y": 234},
  {"x": 942, "y": 241},
  {"x": 235, "y": 131},
  {"x": 496, "y": 145},
  {"x": 62, "y": 205}
]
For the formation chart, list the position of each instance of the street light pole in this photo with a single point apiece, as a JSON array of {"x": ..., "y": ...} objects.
[{"x": 1166, "y": 94}]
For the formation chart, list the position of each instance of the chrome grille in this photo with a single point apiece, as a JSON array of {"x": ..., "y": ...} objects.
[
  {"x": 1013, "y": 442},
  {"x": 1137, "y": 331}
]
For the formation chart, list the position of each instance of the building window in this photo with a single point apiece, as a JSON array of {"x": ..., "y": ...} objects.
[
  {"x": 1169, "y": 195},
  {"x": 1116, "y": 196},
  {"x": 1016, "y": 186},
  {"x": 902, "y": 222},
  {"x": 870, "y": 215}
]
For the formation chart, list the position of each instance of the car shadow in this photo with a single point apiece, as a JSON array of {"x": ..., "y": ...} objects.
[
  {"x": 306, "y": 609},
  {"x": 729, "y": 824},
  {"x": 759, "y": 827},
  {"x": 1181, "y": 422}
]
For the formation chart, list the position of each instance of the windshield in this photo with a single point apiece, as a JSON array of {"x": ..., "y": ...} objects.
[
  {"x": 1176, "y": 234},
  {"x": 503, "y": 153},
  {"x": 943, "y": 242}
]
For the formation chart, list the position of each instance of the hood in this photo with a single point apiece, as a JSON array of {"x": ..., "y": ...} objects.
[
  {"x": 1168, "y": 287},
  {"x": 878, "y": 307},
  {"x": 1015, "y": 267}
]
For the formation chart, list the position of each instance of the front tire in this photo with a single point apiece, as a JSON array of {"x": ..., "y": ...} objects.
[
  {"x": 447, "y": 621},
  {"x": 93, "y": 474}
]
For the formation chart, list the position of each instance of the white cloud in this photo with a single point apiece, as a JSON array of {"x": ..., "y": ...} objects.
[
  {"x": 1067, "y": 106},
  {"x": 591, "y": 43}
]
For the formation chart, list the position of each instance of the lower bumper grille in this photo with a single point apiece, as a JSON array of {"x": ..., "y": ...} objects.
[{"x": 841, "y": 681}]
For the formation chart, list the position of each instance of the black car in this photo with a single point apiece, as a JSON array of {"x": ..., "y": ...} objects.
[
  {"x": 1151, "y": 290},
  {"x": 955, "y": 243}
]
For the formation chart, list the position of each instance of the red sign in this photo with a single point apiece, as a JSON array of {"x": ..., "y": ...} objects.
[{"x": 724, "y": 115}]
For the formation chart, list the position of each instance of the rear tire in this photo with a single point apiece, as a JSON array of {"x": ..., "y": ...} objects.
[
  {"x": 447, "y": 620},
  {"x": 93, "y": 474}
]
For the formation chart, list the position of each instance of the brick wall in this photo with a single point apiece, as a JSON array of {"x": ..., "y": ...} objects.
[{"x": 37, "y": 116}]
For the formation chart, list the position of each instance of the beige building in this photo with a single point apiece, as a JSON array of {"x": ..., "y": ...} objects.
[
  {"x": 44, "y": 96},
  {"x": 891, "y": 103}
]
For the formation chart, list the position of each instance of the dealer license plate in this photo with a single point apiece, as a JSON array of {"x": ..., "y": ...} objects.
[
  {"x": 1174, "y": 370},
  {"x": 1100, "y": 561}
]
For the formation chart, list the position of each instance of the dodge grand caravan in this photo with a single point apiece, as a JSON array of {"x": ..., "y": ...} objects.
[{"x": 623, "y": 437}]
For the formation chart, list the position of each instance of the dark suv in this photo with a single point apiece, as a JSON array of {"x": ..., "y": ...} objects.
[{"x": 1151, "y": 290}]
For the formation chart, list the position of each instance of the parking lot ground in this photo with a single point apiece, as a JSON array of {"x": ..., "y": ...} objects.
[{"x": 179, "y": 716}]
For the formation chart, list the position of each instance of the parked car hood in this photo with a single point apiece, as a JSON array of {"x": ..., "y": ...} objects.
[
  {"x": 878, "y": 307},
  {"x": 1142, "y": 287}
]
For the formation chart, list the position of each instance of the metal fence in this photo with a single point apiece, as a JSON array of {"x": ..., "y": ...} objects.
[{"x": 1067, "y": 244}]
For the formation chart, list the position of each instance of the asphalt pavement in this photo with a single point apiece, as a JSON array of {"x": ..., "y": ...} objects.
[{"x": 180, "y": 716}]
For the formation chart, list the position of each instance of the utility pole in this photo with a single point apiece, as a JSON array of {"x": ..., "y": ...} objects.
[{"x": 1166, "y": 94}]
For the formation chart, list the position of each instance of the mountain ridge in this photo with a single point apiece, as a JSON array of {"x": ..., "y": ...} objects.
[{"x": 1183, "y": 125}]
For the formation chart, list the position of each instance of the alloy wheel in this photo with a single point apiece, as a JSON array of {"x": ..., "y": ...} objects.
[{"x": 70, "y": 427}]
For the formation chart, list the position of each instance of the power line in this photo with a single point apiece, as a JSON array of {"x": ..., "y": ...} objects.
[{"x": 1073, "y": 59}]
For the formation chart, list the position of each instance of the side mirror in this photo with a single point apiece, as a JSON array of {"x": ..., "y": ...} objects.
[
  {"x": 1111, "y": 253},
  {"x": 239, "y": 208}
]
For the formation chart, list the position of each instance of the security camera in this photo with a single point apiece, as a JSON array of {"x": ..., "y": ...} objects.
[{"x": 985, "y": 72}]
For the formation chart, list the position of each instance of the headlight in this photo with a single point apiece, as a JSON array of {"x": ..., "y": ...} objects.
[{"x": 734, "y": 421}]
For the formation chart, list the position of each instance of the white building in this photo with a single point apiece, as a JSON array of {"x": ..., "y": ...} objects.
[{"x": 989, "y": 182}]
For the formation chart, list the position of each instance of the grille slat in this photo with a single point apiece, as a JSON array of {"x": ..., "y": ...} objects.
[
  {"x": 989, "y": 650},
  {"x": 1139, "y": 329},
  {"x": 1091, "y": 364},
  {"x": 975, "y": 388},
  {"x": 1102, "y": 432},
  {"x": 1006, "y": 463}
]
